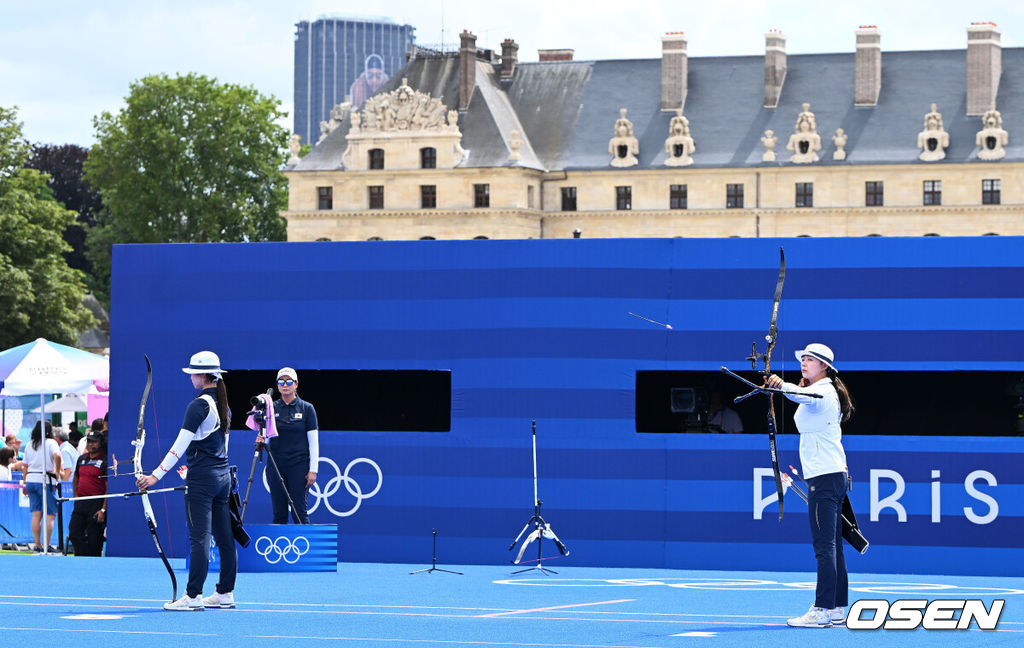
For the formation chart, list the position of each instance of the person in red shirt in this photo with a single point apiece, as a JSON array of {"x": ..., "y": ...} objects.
[{"x": 89, "y": 519}]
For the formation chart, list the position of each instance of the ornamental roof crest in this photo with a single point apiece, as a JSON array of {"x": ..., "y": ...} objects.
[{"x": 403, "y": 109}]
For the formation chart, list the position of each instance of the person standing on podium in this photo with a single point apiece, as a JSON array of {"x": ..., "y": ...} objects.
[{"x": 296, "y": 450}]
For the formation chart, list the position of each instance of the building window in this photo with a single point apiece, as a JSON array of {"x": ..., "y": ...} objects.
[
  {"x": 623, "y": 198},
  {"x": 991, "y": 192},
  {"x": 428, "y": 158},
  {"x": 568, "y": 198},
  {"x": 933, "y": 192},
  {"x": 874, "y": 194},
  {"x": 428, "y": 196},
  {"x": 805, "y": 194},
  {"x": 325, "y": 197},
  {"x": 733, "y": 196},
  {"x": 677, "y": 197},
  {"x": 481, "y": 195},
  {"x": 377, "y": 197},
  {"x": 376, "y": 158}
]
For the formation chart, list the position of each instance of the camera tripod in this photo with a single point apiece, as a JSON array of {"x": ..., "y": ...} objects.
[
  {"x": 541, "y": 529},
  {"x": 259, "y": 414}
]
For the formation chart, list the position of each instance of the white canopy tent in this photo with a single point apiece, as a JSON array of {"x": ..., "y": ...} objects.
[{"x": 43, "y": 367}]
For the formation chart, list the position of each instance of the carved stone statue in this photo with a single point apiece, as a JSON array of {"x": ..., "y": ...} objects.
[
  {"x": 356, "y": 120},
  {"x": 405, "y": 109},
  {"x": 624, "y": 147},
  {"x": 338, "y": 115},
  {"x": 453, "y": 120},
  {"x": 992, "y": 138},
  {"x": 295, "y": 147},
  {"x": 679, "y": 145},
  {"x": 839, "y": 139},
  {"x": 514, "y": 143},
  {"x": 934, "y": 139},
  {"x": 805, "y": 142},
  {"x": 769, "y": 141}
]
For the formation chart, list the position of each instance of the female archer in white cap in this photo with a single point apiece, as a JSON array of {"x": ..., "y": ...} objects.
[
  {"x": 823, "y": 462},
  {"x": 296, "y": 450},
  {"x": 203, "y": 441}
]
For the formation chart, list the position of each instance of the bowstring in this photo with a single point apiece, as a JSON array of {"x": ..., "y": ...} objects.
[{"x": 160, "y": 453}]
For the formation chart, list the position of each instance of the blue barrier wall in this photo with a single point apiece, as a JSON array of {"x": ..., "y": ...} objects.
[{"x": 539, "y": 330}]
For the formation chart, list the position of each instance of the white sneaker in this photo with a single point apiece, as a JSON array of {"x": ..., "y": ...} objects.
[
  {"x": 816, "y": 617},
  {"x": 218, "y": 600},
  {"x": 838, "y": 616},
  {"x": 186, "y": 604}
]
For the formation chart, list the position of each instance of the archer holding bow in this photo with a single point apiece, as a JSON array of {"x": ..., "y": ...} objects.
[
  {"x": 824, "y": 403},
  {"x": 203, "y": 440}
]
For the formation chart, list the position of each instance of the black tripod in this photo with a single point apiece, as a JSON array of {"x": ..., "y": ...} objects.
[
  {"x": 259, "y": 415},
  {"x": 541, "y": 529},
  {"x": 433, "y": 563}
]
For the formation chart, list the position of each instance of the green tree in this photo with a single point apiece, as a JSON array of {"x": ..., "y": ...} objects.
[
  {"x": 188, "y": 160},
  {"x": 40, "y": 296}
]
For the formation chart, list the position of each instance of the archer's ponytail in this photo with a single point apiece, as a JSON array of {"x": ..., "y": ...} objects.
[
  {"x": 846, "y": 406},
  {"x": 222, "y": 404}
]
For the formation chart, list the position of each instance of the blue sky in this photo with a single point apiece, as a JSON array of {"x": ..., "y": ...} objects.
[{"x": 63, "y": 62}]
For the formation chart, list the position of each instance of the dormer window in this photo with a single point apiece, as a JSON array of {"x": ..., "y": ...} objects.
[
  {"x": 428, "y": 157},
  {"x": 376, "y": 158}
]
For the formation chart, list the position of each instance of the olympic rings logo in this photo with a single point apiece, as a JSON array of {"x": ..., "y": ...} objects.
[
  {"x": 334, "y": 485},
  {"x": 273, "y": 551}
]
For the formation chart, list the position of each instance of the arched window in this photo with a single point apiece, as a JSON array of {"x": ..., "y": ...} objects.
[
  {"x": 480, "y": 238},
  {"x": 427, "y": 238},
  {"x": 375, "y": 238},
  {"x": 428, "y": 157},
  {"x": 376, "y": 160}
]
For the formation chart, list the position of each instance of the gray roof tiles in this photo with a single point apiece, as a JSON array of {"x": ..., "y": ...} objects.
[{"x": 567, "y": 110}]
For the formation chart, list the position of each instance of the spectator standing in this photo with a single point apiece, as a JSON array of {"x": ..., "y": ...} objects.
[
  {"x": 68, "y": 453},
  {"x": 43, "y": 463},
  {"x": 89, "y": 519}
]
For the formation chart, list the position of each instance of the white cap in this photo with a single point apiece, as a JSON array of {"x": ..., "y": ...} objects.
[
  {"x": 204, "y": 362},
  {"x": 287, "y": 371},
  {"x": 819, "y": 351}
]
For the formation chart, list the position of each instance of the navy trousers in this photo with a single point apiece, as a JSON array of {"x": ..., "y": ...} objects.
[
  {"x": 294, "y": 473},
  {"x": 825, "y": 509},
  {"x": 206, "y": 508}
]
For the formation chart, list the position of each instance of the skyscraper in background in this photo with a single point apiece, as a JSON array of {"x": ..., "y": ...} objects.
[{"x": 338, "y": 56}]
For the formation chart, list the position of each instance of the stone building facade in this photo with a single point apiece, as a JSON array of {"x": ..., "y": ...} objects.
[{"x": 471, "y": 145}]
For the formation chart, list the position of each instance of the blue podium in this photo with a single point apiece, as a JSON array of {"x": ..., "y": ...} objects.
[{"x": 285, "y": 548}]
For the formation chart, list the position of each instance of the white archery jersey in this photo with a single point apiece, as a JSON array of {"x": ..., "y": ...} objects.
[{"x": 817, "y": 420}]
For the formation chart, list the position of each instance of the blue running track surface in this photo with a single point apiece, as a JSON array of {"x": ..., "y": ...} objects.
[{"x": 48, "y": 601}]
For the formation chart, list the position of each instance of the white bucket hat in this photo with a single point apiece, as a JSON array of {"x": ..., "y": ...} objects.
[
  {"x": 819, "y": 351},
  {"x": 204, "y": 362},
  {"x": 287, "y": 371}
]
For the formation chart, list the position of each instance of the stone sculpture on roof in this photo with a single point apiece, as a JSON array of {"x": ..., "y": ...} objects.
[
  {"x": 839, "y": 139},
  {"x": 805, "y": 141},
  {"x": 769, "y": 140},
  {"x": 295, "y": 147},
  {"x": 338, "y": 115},
  {"x": 679, "y": 145},
  {"x": 624, "y": 147},
  {"x": 391, "y": 117},
  {"x": 934, "y": 139},
  {"x": 992, "y": 139}
]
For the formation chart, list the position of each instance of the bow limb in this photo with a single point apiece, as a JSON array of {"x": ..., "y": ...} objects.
[
  {"x": 773, "y": 336},
  {"x": 147, "y": 507}
]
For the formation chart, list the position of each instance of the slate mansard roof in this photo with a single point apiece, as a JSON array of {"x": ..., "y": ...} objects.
[{"x": 567, "y": 109}]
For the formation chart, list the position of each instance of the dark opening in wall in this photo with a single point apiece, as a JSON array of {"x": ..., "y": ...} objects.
[{"x": 358, "y": 400}]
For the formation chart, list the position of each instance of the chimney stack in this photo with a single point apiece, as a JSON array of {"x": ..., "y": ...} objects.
[
  {"x": 774, "y": 67},
  {"x": 467, "y": 68},
  {"x": 509, "y": 49},
  {"x": 673, "y": 70},
  {"x": 867, "y": 81},
  {"x": 984, "y": 66},
  {"x": 555, "y": 54}
]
